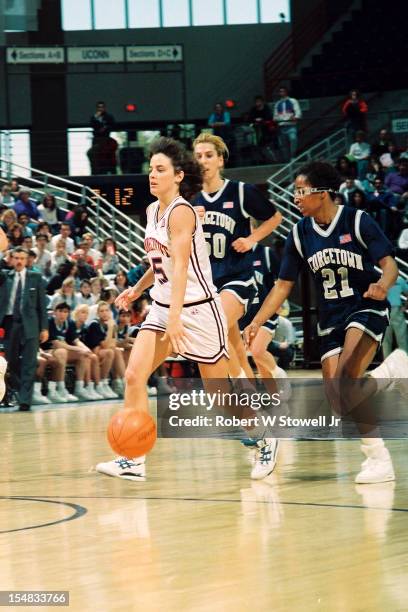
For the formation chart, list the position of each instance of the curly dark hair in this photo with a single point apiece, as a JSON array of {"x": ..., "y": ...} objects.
[
  {"x": 321, "y": 175},
  {"x": 181, "y": 160}
]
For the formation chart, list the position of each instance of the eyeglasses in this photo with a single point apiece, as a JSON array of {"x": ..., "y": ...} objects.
[{"x": 305, "y": 191}]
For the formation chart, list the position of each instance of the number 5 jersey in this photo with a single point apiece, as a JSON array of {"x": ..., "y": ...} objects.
[{"x": 157, "y": 244}]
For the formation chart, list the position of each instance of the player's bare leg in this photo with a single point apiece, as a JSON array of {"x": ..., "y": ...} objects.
[{"x": 358, "y": 352}]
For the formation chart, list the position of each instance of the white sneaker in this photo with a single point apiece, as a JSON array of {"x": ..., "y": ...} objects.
[
  {"x": 109, "y": 393},
  {"x": 55, "y": 398},
  {"x": 68, "y": 397},
  {"x": 377, "y": 467},
  {"x": 92, "y": 393},
  {"x": 82, "y": 393},
  {"x": 129, "y": 469},
  {"x": 118, "y": 387},
  {"x": 38, "y": 398},
  {"x": 3, "y": 368},
  {"x": 265, "y": 459}
]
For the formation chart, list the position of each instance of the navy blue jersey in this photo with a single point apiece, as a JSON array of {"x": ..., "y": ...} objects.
[
  {"x": 265, "y": 269},
  {"x": 226, "y": 219},
  {"x": 342, "y": 259}
]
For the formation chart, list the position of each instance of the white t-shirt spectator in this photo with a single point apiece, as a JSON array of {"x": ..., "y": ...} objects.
[
  {"x": 360, "y": 150},
  {"x": 69, "y": 244},
  {"x": 43, "y": 261}
]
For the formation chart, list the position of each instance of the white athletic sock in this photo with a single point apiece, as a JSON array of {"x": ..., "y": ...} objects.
[
  {"x": 79, "y": 385},
  {"x": 52, "y": 385},
  {"x": 61, "y": 385}
]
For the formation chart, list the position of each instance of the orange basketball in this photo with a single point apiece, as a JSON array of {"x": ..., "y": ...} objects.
[{"x": 131, "y": 433}]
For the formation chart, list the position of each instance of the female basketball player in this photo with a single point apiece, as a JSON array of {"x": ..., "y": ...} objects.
[
  {"x": 186, "y": 316},
  {"x": 341, "y": 246},
  {"x": 225, "y": 207}
]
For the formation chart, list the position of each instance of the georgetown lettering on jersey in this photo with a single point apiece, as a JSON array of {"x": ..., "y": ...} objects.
[
  {"x": 335, "y": 256},
  {"x": 224, "y": 221}
]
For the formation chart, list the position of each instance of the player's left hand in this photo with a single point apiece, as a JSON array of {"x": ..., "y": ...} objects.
[
  {"x": 376, "y": 291},
  {"x": 242, "y": 245},
  {"x": 250, "y": 332},
  {"x": 177, "y": 335}
]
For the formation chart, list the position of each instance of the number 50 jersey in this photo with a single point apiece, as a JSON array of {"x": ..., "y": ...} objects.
[
  {"x": 157, "y": 244},
  {"x": 342, "y": 258}
]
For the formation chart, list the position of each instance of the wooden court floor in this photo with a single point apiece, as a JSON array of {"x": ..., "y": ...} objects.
[{"x": 198, "y": 535}]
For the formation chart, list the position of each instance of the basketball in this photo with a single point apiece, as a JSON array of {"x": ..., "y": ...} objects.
[{"x": 131, "y": 433}]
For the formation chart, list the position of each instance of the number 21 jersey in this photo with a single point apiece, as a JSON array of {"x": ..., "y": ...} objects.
[{"x": 342, "y": 259}]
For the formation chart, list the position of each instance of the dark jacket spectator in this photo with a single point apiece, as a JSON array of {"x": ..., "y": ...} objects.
[
  {"x": 65, "y": 269},
  {"x": 220, "y": 121},
  {"x": 25, "y": 205},
  {"x": 50, "y": 212},
  {"x": 380, "y": 147},
  {"x": 101, "y": 122},
  {"x": 78, "y": 220}
]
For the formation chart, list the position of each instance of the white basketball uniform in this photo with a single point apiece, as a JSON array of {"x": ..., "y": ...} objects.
[{"x": 202, "y": 315}]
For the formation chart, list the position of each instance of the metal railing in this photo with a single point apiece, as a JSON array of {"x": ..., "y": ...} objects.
[{"x": 105, "y": 219}]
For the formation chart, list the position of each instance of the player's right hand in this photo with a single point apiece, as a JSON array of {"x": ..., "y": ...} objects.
[
  {"x": 125, "y": 298},
  {"x": 250, "y": 332}
]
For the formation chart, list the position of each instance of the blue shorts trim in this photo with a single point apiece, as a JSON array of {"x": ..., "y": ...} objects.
[
  {"x": 371, "y": 322},
  {"x": 244, "y": 290}
]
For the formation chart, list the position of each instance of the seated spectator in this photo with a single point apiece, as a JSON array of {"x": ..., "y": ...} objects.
[
  {"x": 374, "y": 171},
  {"x": 65, "y": 294},
  {"x": 15, "y": 187},
  {"x": 65, "y": 270},
  {"x": 59, "y": 255},
  {"x": 7, "y": 220},
  {"x": 136, "y": 273},
  {"x": 360, "y": 152},
  {"x": 24, "y": 204},
  {"x": 92, "y": 250},
  {"x": 286, "y": 114},
  {"x": 84, "y": 295},
  {"x": 339, "y": 200},
  {"x": 28, "y": 242},
  {"x": 100, "y": 337},
  {"x": 380, "y": 146},
  {"x": 50, "y": 213},
  {"x": 24, "y": 221},
  {"x": 283, "y": 343},
  {"x": 84, "y": 271},
  {"x": 63, "y": 338},
  {"x": 65, "y": 233},
  {"x": 358, "y": 200},
  {"x": 84, "y": 246},
  {"x": 31, "y": 260},
  {"x": 96, "y": 288},
  {"x": 93, "y": 378},
  {"x": 80, "y": 255},
  {"x": 110, "y": 261},
  {"x": 350, "y": 185},
  {"x": 397, "y": 183},
  {"x": 43, "y": 260},
  {"x": 346, "y": 168},
  {"x": 220, "y": 122},
  {"x": 44, "y": 228},
  {"x": 108, "y": 296},
  {"x": 77, "y": 220},
  {"x": 121, "y": 281},
  {"x": 355, "y": 114},
  {"x": 124, "y": 340},
  {"x": 15, "y": 235},
  {"x": 6, "y": 198}
]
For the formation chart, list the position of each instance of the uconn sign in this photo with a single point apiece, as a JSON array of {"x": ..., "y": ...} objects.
[{"x": 94, "y": 55}]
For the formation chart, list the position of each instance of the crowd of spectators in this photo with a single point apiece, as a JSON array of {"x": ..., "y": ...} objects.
[
  {"x": 375, "y": 179},
  {"x": 82, "y": 280}
]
